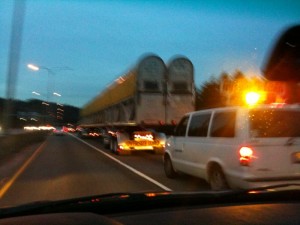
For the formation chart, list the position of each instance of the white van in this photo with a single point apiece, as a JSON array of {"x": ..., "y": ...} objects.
[{"x": 237, "y": 147}]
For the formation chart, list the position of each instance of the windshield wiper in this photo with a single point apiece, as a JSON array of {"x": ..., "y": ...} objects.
[
  {"x": 277, "y": 187},
  {"x": 124, "y": 202}
]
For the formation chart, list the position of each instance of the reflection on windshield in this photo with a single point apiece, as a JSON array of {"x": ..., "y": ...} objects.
[{"x": 170, "y": 57}]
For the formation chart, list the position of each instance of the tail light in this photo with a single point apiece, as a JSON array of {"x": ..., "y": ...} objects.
[{"x": 246, "y": 154}]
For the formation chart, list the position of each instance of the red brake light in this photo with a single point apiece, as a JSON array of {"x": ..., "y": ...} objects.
[{"x": 246, "y": 154}]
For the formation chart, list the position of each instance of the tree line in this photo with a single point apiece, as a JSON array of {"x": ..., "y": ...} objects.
[
  {"x": 36, "y": 112},
  {"x": 226, "y": 90}
]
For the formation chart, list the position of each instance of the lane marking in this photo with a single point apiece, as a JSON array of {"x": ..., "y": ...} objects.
[
  {"x": 125, "y": 165},
  {"x": 10, "y": 182}
]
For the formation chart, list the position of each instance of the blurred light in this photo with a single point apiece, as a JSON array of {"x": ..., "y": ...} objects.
[
  {"x": 143, "y": 137},
  {"x": 33, "y": 67},
  {"x": 124, "y": 196},
  {"x": 254, "y": 192},
  {"x": 46, "y": 128},
  {"x": 55, "y": 93},
  {"x": 252, "y": 98},
  {"x": 35, "y": 93},
  {"x": 278, "y": 105},
  {"x": 120, "y": 80},
  {"x": 246, "y": 154},
  {"x": 45, "y": 103},
  {"x": 150, "y": 194},
  {"x": 31, "y": 128}
]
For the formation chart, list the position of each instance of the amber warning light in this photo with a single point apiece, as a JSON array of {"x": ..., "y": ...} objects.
[
  {"x": 253, "y": 98},
  {"x": 276, "y": 93}
]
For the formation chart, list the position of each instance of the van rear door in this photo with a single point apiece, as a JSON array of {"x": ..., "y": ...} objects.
[{"x": 275, "y": 135}]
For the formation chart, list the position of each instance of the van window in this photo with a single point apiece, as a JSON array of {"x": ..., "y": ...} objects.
[
  {"x": 274, "y": 123},
  {"x": 180, "y": 130},
  {"x": 199, "y": 125},
  {"x": 223, "y": 124}
]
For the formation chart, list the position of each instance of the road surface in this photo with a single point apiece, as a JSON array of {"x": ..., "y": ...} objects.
[{"x": 67, "y": 167}]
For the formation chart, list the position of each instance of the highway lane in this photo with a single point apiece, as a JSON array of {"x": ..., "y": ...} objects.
[
  {"x": 68, "y": 167},
  {"x": 152, "y": 165}
]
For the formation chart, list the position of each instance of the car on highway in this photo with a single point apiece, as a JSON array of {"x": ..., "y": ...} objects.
[
  {"x": 58, "y": 131},
  {"x": 108, "y": 133},
  {"x": 89, "y": 133},
  {"x": 237, "y": 147}
]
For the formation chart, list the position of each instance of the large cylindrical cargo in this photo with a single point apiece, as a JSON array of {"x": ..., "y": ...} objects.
[
  {"x": 180, "y": 89},
  {"x": 150, "y": 93}
]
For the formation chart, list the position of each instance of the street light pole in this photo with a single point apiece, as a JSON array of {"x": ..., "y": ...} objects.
[
  {"x": 47, "y": 102},
  {"x": 50, "y": 73},
  {"x": 13, "y": 61},
  {"x": 44, "y": 106}
]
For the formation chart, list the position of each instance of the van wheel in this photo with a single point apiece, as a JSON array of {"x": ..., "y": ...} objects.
[
  {"x": 217, "y": 179},
  {"x": 168, "y": 167}
]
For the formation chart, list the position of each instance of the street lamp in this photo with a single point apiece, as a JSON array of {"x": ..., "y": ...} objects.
[
  {"x": 50, "y": 71},
  {"x": 46, "y": 103},
  {"x": 59, "y": 111},
  {"x": 33, "y": 67},
  {"x": 36, "y": 93},
  {"x": 44, "y": 108}
]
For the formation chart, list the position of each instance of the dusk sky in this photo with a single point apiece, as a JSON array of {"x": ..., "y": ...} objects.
[{"x": 88, "y": 44}]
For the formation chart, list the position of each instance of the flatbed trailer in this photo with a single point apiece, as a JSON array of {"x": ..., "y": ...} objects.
[{"x": 152, "y": 95}]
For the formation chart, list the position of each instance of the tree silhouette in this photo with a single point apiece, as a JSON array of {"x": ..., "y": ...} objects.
[
  {"x": 226, "y": 90},
  {"x": 209, "y": 95}
]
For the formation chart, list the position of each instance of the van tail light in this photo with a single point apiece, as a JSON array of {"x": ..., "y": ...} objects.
[{"x": 246, "y": 154}]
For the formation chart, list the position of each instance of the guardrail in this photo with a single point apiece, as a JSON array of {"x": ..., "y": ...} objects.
[{"x": 15, "y": 142}]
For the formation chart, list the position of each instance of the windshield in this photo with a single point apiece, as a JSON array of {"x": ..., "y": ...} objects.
[{"x": 76, "y": 64}]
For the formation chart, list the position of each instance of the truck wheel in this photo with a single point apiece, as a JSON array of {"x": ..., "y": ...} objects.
[
  {"x": 168, "y": 167},
  {"x": 118, "y": 151},
  {"x": 217, "y": 179},
  {"x": 106, "y": 144},
  {"x": 114, "y": 146},
  {"x": 158, "y": 151},
  {"x": 122, "y": 152}
]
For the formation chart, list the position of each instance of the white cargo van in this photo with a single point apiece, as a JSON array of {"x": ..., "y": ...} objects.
[{"x": 237, "y": 147}]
